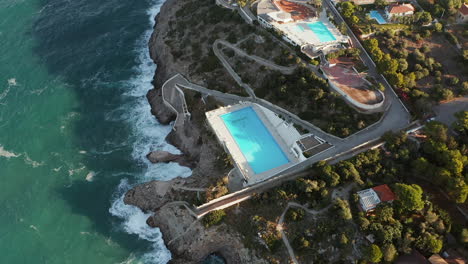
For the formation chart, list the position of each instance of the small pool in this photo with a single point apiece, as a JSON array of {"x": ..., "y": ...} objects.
[
  {"x": 377, "y": 16},
  {"x": 254, "y": 140},
  {"x": 321, "y": 31}
]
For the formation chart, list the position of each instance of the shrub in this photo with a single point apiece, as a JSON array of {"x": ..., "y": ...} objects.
[
  {"x": 373, "y": 254},
  {"x": 295, "y": 214},
  {"x": 213, "y": 218}
]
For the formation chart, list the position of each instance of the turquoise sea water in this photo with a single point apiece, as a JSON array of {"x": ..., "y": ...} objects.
[
  {"x": 322, "y": 32},
  {"x": 254, "y": 140},
  {"x": 74, "y": 129}
]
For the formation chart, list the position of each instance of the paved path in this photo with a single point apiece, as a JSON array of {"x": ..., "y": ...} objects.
[
  {"x": 395, "y": 119},
  {"x": 230, "y": 70},
  {"x": 259, "y": 60},
  {"x": 445, "y": 112}
]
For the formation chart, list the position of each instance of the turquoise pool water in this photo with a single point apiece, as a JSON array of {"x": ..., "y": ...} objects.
[
  {"x": 377, "y": 16},
  {"x": 321, "y": 31},
  {"x": 255, "y": 141}
]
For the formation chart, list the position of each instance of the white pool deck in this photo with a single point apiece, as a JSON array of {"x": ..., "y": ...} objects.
[
  {"x": 307, "y": 36},
  {"x": 284, "y": 134}
]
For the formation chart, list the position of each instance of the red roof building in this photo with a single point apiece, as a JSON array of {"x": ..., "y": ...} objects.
[
  {"x": 370, "y": 198},
  {"x": 384, "y": 193},
  {"x": 396, "y": 9},
  {"x": 462, "y": 16}
]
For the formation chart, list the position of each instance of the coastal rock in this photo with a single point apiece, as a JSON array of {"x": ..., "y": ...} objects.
[
  {"x": 186, "y": 237},
  {"x": 164, "y": 115},
  {"x": 150, "y": 196},
  {"x": 190, "y": 242},
  {"x": 162, "y": 156},
  {"x": 165, "y": 157}
]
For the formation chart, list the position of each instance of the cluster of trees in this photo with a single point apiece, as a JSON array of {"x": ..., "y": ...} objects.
[
  {"x": 444, "y": 160},
  {"x": 441, "y": 7},
  {"x": 410, "y": 222},
  {"x": 267, "y": 232},
  {"x": 350, "y": 53},
  {"x": 218, "y": 190},
  {"x": 308, "y": 95},
  {"x": 404, "y": 70}
]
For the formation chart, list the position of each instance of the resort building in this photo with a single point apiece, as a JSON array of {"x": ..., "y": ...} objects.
[
  {"x": 370, "y": 198},
  {"x": 462, "y": 15},
  {"x": 300, "y": 25},
  {"x": 260, "y": 143},
  {"x": 394, "y": 10}
]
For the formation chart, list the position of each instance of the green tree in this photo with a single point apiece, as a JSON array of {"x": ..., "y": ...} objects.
[
  {"x": 295, "y": 214},
  {"x": 384, "y": 213},
  {"x": 373, "y": 254},
  {"x": 389, "y": 253},
  {"x": 461, "y": 124},
  {"x": 347, "y": 9},
  {"x": 464, "y": 236},
  {"x": 436, "y": 131},
  {"x": 343, "y": 208},
  {"x": 409, "y": 196},
  {"x": 344, "y": 239},
  {"x": 213, "y": 218},
  {"x": 429, "y": 243}
]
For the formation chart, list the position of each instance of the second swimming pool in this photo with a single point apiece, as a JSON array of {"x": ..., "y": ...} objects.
[
  {"x": 258, "y": 146},
  {"x": 321, "y": 31},
  {"x": 377, "y": 16}
]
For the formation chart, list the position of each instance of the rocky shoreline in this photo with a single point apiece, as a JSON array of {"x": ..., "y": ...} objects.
[{"x": 185, "y": 236}]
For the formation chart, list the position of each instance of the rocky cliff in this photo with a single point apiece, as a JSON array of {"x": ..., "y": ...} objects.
[{"x": 185, "y": 236}]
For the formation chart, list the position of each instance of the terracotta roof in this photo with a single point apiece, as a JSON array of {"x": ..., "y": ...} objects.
[
  {"x": 341, "y": 60},
  {"x": 414, "y": 258},
  {"x": 384, "y": 192},
  {"x": 399, "y": 9},
  {"x": 464, "y": 9}
]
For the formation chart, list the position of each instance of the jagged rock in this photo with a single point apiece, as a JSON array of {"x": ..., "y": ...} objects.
[
  {"x": 162, "y": 156},
  {"x": 165, "y": 157},
  {"x": 151, "y": 222}
]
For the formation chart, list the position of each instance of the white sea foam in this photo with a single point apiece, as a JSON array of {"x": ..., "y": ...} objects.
[
  {"x": 31, "y": 162},
  {"x": 90, "y": 176},
  {"x": 12, "y": 82},
  {"x": 147, "y": 135},
  {"x": 7, "y": 154},
  {"x": 135, "y": 223}
]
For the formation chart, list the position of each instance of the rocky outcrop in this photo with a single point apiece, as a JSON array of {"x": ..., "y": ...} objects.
[
  {"x": 165, "y": 157},
  {"x": 187, "y": 239}
]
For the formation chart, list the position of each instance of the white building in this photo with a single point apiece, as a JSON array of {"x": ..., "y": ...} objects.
[
  {"x": 462, "y": 15},
  {"x": 293, "y": 20},
  {"x": 370, "y": 198},
  {"x": 394, "y": 10}
]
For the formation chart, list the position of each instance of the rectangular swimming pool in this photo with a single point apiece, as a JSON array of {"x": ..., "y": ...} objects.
[
  {"x": 258, "y": 146},
  {"x": 321, "y": 31},
  {"x": 377, "y": 16}
]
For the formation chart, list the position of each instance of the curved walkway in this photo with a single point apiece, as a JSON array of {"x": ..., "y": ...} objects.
[
  {"x": 218, "y": 53},
  {"x": 259, "y": 60},
  {"x": 344, "y": 194}
]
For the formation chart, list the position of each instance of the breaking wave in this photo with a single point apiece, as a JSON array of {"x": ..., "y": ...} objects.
[{"x": 147, "y": 135}]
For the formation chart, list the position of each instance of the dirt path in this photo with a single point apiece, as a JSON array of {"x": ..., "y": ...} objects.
[{"x": 342, "y": 193}]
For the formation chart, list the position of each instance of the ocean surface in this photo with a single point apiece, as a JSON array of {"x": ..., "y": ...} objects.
[{"x": 75, "y": 127}]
